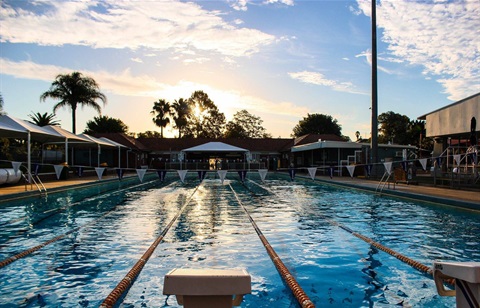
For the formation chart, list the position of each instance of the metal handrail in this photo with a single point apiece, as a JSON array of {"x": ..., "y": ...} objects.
[{"x": 35, "y": 179}]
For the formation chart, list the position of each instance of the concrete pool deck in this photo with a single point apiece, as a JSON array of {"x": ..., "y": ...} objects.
[{"x": 448, "y": 196}]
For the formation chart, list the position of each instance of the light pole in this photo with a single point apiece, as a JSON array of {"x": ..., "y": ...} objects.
[{"x": 374, "y": 139}]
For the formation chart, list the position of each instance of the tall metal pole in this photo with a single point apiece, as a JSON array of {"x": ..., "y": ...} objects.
[{"x": 374, "y": 139}]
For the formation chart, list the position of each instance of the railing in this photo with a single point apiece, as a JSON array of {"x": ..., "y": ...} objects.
[
  {"x": 29, "y": 178},
  {"x": 383, "y": 182}
]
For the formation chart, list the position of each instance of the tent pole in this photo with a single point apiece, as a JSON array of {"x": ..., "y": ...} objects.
[
  {"x": 66, "y": 150},
  {"x": 29, "y": 160}
]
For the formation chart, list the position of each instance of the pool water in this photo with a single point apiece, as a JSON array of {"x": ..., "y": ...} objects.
[{"x": 117, "y": 222}]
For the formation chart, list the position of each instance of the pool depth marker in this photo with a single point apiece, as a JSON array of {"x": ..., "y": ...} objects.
[
  {"x": 128, "y": 280},
  {"x": 288, "y": 278}
]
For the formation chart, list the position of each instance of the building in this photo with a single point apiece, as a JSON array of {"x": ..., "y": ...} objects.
[{"x": 451, "y": 126}]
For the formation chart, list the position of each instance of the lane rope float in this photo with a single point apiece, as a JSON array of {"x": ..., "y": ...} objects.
[
  {"x": 128, "y": 280},
  {"x": 29, "y": 251},
  {"x": 287, "y": 277}
]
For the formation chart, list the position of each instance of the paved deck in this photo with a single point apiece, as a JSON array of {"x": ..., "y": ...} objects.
[{"x": 454, "y": 197}]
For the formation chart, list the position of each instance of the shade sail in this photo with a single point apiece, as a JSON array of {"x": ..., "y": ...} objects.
[
  {"x": 215, "y": 147},
  {"x": 11, "y": 127}
]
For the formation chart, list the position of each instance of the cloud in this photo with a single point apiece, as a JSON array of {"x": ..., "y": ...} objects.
[
  {"x": 157, "y": 25},
  {"x": 138, "y": 60},
  {"x": 439, "y": 36},
  {"x": 320, "y": 80},
  {"x": 122, "y": 83},
  {"x": 368, "y": 56},
  {"x": 127, "y": 84}
]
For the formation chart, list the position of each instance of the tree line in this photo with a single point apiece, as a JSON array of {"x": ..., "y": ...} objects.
[{"x": 199, "y": 117}]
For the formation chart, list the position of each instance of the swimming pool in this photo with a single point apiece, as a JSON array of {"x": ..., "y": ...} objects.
[{"x": 114, "y": 224}]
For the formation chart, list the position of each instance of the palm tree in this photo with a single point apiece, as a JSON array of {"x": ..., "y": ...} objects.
[
  {"x": 161, "y": 111},
  {"x": 43, "y": 119},
  {"x": 73, "y": 90},
  {"x": 182, "y": 111}
]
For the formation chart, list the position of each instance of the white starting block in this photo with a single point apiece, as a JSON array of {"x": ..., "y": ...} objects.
[
  {"x": 467, "y": 281},
  {"x": 200, "y": 288}
]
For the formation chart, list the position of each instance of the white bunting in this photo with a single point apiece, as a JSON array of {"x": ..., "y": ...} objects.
[
  {"x": 423, "y": 161},
  {"x": 16, "y": 165},
  {"x": 351, "y": 170},
  {"x": 222, "y": 174},
  {"x": 312, "y": 171},
  {"x": 141, "y": 174},
  {"x": 182, "y": 174},
  {"x": 388, "y": 167},
  {"x": 263, "y": 173},
  {"x": 99, "y": 172},
  {"x": 457, "y": 158},
  {"x": 58, "y": 170}
]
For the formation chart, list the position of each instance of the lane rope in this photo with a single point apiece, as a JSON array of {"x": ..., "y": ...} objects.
[
  {"x": 300, "y": 295},
  {"x": 124, "y": 285},
  {"x": 29, "y": 251}
]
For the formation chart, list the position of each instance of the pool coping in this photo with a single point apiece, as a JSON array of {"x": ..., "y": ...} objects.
[{"x": 445, "y": 201}]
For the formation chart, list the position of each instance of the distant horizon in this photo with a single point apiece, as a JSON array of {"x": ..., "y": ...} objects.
[{"x": 280, "y": 60}]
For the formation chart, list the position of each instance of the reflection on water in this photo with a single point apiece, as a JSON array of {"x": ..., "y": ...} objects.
[{"x": 333, "y": 267}]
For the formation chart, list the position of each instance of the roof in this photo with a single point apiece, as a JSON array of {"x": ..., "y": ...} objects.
[
  {"x": 125, "y": 140},
  {"x": 16, "y": 128},
  {"x": 265, "y": 145},
  {"x": 215, "y": 147},
  {"x": 424, "y": 117}
]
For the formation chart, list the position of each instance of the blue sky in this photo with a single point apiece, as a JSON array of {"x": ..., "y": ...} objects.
[{"x": 279, "y": 59}]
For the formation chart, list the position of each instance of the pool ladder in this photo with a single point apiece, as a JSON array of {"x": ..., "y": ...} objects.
[
  {"x": 383, "y": 182},
  {"x": 36, "y": 180}
]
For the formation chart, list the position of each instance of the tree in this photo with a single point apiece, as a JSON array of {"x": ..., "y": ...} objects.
[
  {"x": 245, "y": 125},
  {"x": 317, "y": 124},
  {"x": 2, "y": 112},
  {"x": 393, "y": 128},
  {"x": 205, "y": 120},
  {"x": 181, "y": 113},
  {"x": 73, "y": 90},
  {"x": 43, "y": 119},
  {"x": 161, "y": 111},
  {"x": 105, "y": 124},
  {"x": 149, "y": 134}
]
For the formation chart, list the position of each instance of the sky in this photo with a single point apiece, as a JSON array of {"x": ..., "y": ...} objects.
[{"x": 278, "y": 59}]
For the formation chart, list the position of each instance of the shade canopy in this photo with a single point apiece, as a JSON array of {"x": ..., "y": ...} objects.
[
  {"x": 215, "y": 147},
  {"x": 11, "y": 127}
]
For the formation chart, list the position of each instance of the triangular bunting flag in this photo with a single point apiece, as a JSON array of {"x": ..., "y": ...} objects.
[
  {"x": 201, "y": 175},
  {"x": 182, "y": 174},
  {"x": 291, "y": 172},
  {"x": 242, "y": 174},
  {"x": 162, "y": 174},
  {"x": 222, "y": 174},
  {"x": 330, "y": 172},
  {"x": 351, "y": 169},
  {"x": 368, "y": 169},
  {"x": 388, "y": 167},
  {"x": 312, "y": 171},
  {"x": 457, "y": 158},
  {"x": 423, "y": 162},
  {"x": 16, "y": 165},
  {"x": 120, "y": 173},
  {"x": 36, "y": 169},
  {"x": 141, "y": 174},
  {"x": 80, "y": 171},
  {"x": 99, "y": 172},
  {"x": 58, "y": 170},
  {"x": 263, "y": 173}
]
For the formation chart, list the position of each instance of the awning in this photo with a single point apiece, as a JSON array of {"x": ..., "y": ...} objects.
[{"x": 215, "y": 147}]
